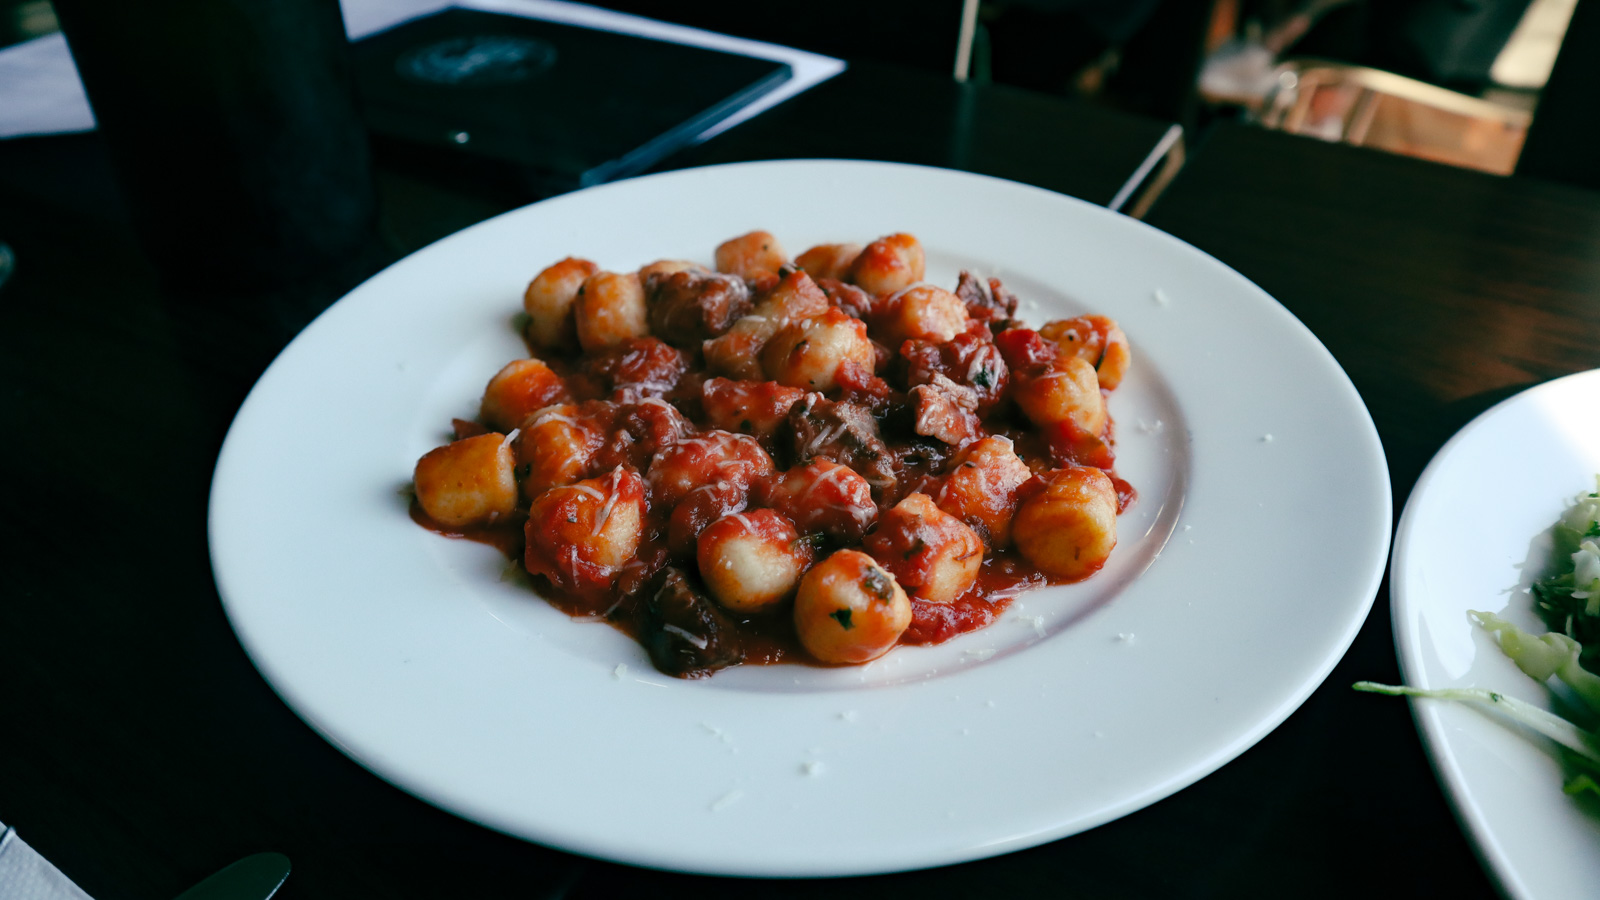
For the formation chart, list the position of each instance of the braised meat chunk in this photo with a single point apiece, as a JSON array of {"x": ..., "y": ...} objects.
[
  {"x": 685, "y": 633},
  {"x": 633, "y": 369},
  {"x": 639, "y": 431},
  {"x": 840, "y": 432},
  {"x": 969, "y": 359},
  {"x": 689, "y": 307},
  {"x": 737, "y": 354},
  {"x": 850, "y": 299},
  {"x": 990, "y": 304},
  {"x": 756, "y": 408},
  {"x": 945, "y": 412}
]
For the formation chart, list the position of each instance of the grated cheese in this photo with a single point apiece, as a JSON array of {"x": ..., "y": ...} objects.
[
  {"x": 611, "y": 500},
  {"x": 553, "y": 416},
  {"x": 699, "y": 642},
  {"x": 584, "y": 488}
]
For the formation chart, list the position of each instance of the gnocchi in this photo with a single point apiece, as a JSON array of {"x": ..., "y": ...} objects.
[
  {"x": 468, "y": 482},
  {"x": 888, "y": 264},
  {"x": 829, "y": 260},
  {"x": 752, "y": 561},
  {"x": 808, "y": 353},
  {"x": 755, "y": 461},
  {"x": 1070, "y": 528},
  {"x": 825, "y": 497},
  {"x": 931, "y": 553},
  {"x": 849, "y": 609},
  {"x": 555, "y": 446},
  {"x": 548, "y": 303},
  {"x": 1068, "y": 392},
  {"x": 579, "y": 535},
  {"x": 706, "y": 459},
  {"x": 751, "y": 255},
  {"x": 1097, "y": 340},
  {"x": 920, "y": 312},
  {"x": 523, "y": 387},
  {"x": 609, "y": 309},
  {"x": 981, "y": 486}
]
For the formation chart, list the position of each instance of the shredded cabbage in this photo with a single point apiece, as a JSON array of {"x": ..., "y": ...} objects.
[
  {"x": 1542, "y": 656},
  {"x": 1569, "y": 600},
  {"x": 1569, "y": 603},
  {"x": 1552, "y": 726}
]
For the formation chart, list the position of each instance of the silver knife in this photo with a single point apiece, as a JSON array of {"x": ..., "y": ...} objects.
[{"x": 252, "y": 878}]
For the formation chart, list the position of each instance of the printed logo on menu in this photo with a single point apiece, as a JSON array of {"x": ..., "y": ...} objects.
[{"x": 477, "y": 61}]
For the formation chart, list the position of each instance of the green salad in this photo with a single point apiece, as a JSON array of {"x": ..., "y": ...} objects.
[
  {"x": 1569, "y": 602},
  {"x": 1564, "y": 659}
]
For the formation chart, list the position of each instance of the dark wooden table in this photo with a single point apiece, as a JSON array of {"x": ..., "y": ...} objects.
[
  {"x": 874, "y": 111},
  {"x": 139, "y": 750},
  {"x": 1440, "y": 292}
]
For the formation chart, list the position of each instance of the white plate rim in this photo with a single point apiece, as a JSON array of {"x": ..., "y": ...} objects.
[{"x": 1359, "y": 589}]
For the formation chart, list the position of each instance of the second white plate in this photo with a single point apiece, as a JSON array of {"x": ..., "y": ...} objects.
[
  {"x": 1243, "y": 572},
  {"x": 1474, "y": 535}
]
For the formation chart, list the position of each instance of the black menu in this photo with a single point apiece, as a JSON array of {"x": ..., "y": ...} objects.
[{"x": 574, "y": 105}]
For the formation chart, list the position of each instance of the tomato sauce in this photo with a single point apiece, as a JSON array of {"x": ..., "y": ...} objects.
[
  {"x": 1002, "y": 578},
  {"x": 507, "y": 536},
  {"x": 768, "y": 639},
  {"x": 645, "y": 371}
]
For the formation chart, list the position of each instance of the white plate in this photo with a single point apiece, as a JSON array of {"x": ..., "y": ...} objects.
[
  {"x": 1474, "y": 535},
  {"x": 419, "y": 658}
]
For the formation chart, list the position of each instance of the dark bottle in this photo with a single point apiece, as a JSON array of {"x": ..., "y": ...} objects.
[{"x": 233, "y": 128}]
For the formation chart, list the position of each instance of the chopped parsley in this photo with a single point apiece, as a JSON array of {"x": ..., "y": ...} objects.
[
  {"x": 815, "y": 540},
  {"x": 876, "y": 582},
  {"x": 983, "y": 379},
  {"x": 842, "y": 616},
  {"x": 1582, "y": 784}
]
